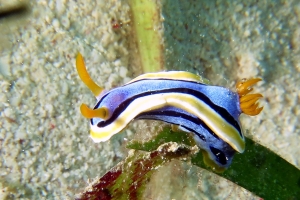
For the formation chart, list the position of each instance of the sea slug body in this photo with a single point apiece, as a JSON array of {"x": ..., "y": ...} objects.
[{"x": 210, "y": 113}]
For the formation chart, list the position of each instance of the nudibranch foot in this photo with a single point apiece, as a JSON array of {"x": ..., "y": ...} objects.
[{"x": 248, "y": 102}]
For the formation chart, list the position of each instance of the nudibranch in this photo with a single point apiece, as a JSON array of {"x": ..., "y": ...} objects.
[{"x": 210, "y": 113}]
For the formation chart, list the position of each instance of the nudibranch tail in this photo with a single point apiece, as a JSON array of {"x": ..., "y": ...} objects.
[
  {"x": 211, "y": 163},
  {"x": 248, "y": 102},
  {"x": 85, "y": 77},
  {"x": 90, "y": 113}
]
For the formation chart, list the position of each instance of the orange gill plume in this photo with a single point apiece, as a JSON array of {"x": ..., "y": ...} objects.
[{"x": 248, "y": 102}]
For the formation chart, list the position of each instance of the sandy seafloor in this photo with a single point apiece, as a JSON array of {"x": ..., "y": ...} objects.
[{"x": 45, "y": 150}]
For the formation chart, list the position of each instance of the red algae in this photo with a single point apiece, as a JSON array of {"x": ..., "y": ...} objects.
[{"x": 129, "y": 178}]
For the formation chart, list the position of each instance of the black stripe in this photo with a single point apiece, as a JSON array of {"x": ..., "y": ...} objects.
[
  {"x": 221, "y": 111},
  {"x": 99, "y": 102},
  {"x": 195, "y": 120},
  {"x": 190, "y": 130}
]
